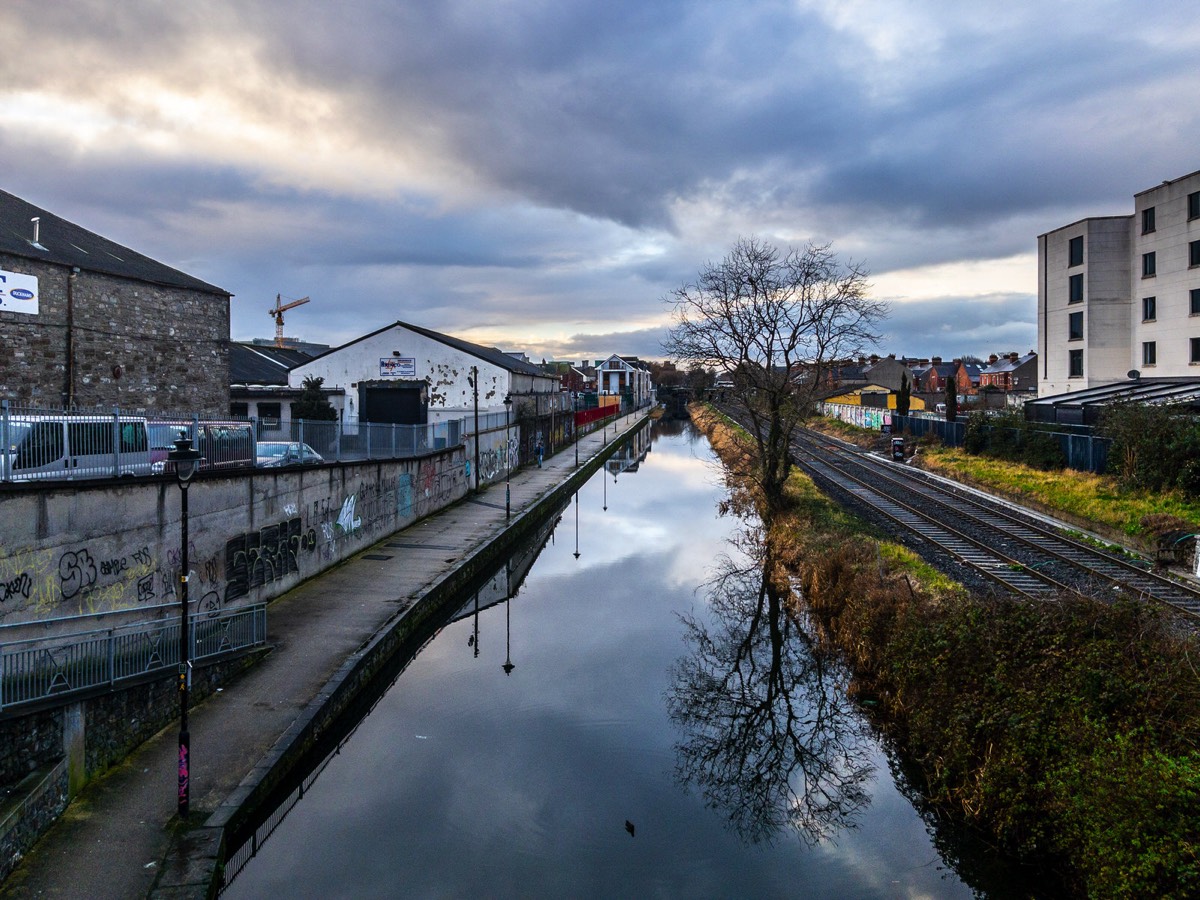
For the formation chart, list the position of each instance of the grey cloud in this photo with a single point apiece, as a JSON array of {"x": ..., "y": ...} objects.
[{"x": 583, "y": 129}]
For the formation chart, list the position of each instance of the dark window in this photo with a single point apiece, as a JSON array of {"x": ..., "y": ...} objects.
[
  {"x": 1194, "y": 253},
  {"x": 43, "y": 444},
  {"x": 1195, "y": 350},
  {"x": 1075, "y": 288},
  {"x": 1075, "y": 251},
  {"x": 269, "y": 411},
  {"x": 1194, "y": 205},
  {"x": 1149, "y": 309},
  {"x": 239, "y": 410},
  {"x": 1195, "y": 302},
  {"x": 1149, "y": 353},
  {"x": 89, "y": 437},
  {"x": 1075, "y": 363},
  {"x": 1075, "y": 327},
  {"x": 1147, "y": 220},
  {"x": 1149, "y": 264}
]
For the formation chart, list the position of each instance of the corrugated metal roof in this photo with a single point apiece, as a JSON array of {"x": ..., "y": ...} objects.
[
  {"x": 259, "y": 364},
  {"x": 1084, "y": 406}
]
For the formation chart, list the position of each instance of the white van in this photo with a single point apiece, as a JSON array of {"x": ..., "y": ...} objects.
[{"x": 73, "y": 446}]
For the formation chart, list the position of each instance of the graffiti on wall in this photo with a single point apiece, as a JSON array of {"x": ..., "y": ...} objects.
[
  {"x": 114, "y": 573},
  {"x": 499, "y": 456},
  {"x": 266, "y": 555},
  {"x": 862, "y": 416}
]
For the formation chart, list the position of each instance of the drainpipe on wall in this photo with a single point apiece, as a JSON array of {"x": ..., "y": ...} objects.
[{"x": 69, "y": 393}]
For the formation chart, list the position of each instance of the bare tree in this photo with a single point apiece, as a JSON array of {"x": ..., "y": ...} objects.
[{"x": 774, "y": 321}]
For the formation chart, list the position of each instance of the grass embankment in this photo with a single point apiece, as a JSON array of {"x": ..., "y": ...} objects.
[
  {"x": 1068, "y": 730},
  {"x": 1096, "y": 503}
]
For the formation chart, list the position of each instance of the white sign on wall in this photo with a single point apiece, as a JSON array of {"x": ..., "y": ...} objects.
[
  {"x": 18, "y": 293},
  {"x": 398, "y": 367}
]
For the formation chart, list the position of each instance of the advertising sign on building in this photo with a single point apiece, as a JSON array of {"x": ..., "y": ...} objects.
[
  {"x": 398, "y": 367},
  {"x": 18, "y": 293}
]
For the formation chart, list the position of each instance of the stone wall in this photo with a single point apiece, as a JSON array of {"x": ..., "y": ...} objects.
[
  {"x": 113, "y": 548},
  {"x": 140, "y": 346},
  {"x": 36, "y": 742},
  {"x": 34, "y": 805}
]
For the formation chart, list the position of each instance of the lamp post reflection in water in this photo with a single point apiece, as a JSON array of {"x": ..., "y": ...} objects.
[
  {"x": 577, "y": 524},
  {"x": 508, "y": 663}
]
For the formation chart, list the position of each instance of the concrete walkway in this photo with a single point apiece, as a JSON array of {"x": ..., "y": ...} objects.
[{"x": 116, "y": 837}]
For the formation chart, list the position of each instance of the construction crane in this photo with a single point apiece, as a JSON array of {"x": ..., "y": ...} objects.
[{"x": 277, "y": 312}]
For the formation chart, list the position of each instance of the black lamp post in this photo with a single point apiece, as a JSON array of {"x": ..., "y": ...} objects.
[
  {"x": 186, "y": 459},
  {"x": 474, "y": 382},
  {"x": 508, "y": 460}
]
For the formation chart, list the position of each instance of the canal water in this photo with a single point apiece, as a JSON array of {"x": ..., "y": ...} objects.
[{"x": 625, "y": 709}]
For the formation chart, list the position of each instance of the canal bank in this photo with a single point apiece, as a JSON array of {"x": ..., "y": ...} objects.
[{"x": 330, "y": 635}]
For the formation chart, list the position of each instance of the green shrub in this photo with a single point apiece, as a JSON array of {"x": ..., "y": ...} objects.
[{"x": 1154, "y": 448}]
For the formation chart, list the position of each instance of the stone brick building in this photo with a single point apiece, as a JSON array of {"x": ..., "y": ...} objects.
[{"x": 88, "y": 323}]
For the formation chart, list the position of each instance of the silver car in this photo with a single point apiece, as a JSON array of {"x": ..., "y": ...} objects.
[{"x": 286, "y": 453}]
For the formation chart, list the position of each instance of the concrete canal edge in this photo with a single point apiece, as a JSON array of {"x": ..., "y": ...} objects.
[{"x": 194, "y": 865}]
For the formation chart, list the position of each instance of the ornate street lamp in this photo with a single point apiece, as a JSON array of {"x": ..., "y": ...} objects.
[
  {"x": 473, "y": 380},
  {"x": 508, "y": 460},
  {"x": 186, "y": 459}
]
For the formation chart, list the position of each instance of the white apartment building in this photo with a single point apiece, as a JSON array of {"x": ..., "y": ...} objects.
[{"x": 1119, "y": 295}]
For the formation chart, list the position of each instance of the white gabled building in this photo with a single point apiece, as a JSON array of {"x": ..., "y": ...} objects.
[
  {"x": 410, "y": 375},
  {"x": 1119, "y": 295},
  {"x": 625, "y": 375}
]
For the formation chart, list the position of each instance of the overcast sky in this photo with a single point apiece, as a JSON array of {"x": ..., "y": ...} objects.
[{"x": 539, "y": 174}]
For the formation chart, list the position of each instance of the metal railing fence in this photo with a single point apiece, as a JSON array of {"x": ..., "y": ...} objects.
[
  {"x": 39, "y": 668},
  {"x": 48, "y": 444}
]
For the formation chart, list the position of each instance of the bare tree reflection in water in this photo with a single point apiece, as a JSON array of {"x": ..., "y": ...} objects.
[{"x": 768, "y": 735}]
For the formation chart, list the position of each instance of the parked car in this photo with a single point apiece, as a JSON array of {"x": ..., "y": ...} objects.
[
  {"x": 72, "y": 445},
  {"x": 223, "y": 445},
  {"x": 286, "y": 453}
]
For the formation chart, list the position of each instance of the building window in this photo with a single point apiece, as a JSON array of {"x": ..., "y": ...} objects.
[
  {"x": 1194, "y": 205},
  {"x": 1149, "y": 353},
  {"x": 1195, "y": 356},
  {"x": 1194, "y": 296},
  {"x": 1074, "y": 363},
  {"x": 1075, "y": 288},
  {"x": 1149, "y": 264},
  {"x": 1075, "y": 327},
  {"x": 1194, "y": 253},
  {"x": 1147, "y": 220},
  {"x": 1075, "y": 251},
  {"x": 269, "y": 413},
  {"x": 239, "y": 410},
  {"x": 1149, "y": 309}
]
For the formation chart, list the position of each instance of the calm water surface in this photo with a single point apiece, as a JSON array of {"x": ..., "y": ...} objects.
[{"x": 653, "y": 682}]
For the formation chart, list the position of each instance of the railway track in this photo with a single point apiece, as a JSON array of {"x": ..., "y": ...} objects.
[{"x": 1025, "y": 555}]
